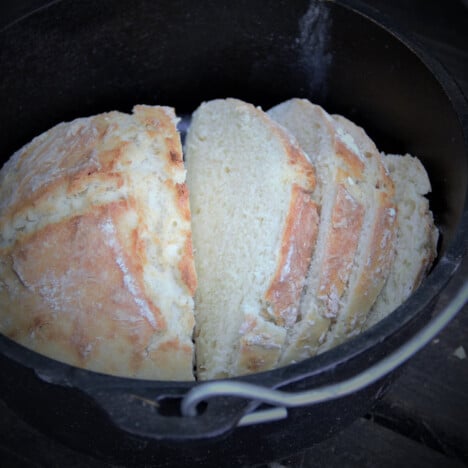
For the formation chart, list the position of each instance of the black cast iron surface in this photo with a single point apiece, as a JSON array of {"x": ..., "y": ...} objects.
[{"x": 423, "y": 420}]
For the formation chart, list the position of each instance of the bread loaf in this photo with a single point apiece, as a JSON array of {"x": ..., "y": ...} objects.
[
  {"x": 96, "y": 262},
  {"x": 254, "y": 223},
  {"x": 303, "y": 235}
]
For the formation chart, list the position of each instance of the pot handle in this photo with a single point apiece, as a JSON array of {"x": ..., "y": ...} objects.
[
  {"x": 154, "y": 413},
  {"x": 283, "y": 400}
]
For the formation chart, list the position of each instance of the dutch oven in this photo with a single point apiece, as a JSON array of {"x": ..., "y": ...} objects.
[{"x": 70, "y": 59}]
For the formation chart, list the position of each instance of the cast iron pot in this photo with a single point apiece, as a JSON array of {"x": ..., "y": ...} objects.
[{"x": 71, "y": 59}]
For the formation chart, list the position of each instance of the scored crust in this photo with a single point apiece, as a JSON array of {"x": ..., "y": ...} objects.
[
  {"x": 96, "y": 264},
  {"x": 299, "y": 237},
  {"x": 257, "y": 350}
]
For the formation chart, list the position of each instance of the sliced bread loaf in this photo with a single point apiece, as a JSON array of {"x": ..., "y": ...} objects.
[
  {"x": 356, "y": 232},
  {"x": 304, "y": 234},
  {"x": 254, "y": 225},
  {"x": 376, "y": 251},
  {"x": 96, "y": 263}
]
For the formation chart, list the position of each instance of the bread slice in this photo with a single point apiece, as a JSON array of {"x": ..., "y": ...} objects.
[
  {"x": 96, "y": 262},
  {"x": 254, "y": 224},
  {"x": 355, "y": 238},
  {"x": 416, "y": 245}
]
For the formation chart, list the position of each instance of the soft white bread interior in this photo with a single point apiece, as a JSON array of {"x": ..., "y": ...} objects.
[
  {"x": 254, "y": 224},
  {"x": 96, "y": 262},
  {"x": 354, "y": 248},
  {"x": 416, "y": 245}
]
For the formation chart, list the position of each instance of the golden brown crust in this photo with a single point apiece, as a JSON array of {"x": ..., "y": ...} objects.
[
  {"x": 173, "y": 356},
  {"x": 379, "y": 259},
  {"x": 183, "y": 200},
  {"x": 260, "y": 345},
  {"x": 92, "y": 294},
  {"x": 298, "y": 159},
  {"x": 342, "y": 242},
  {"x": 187, "y": 266},
  {"x": 354, "y": 165},
  {"x": 106, "y": 324},
  {"x": 256, "y": 358},
  {"x": 298, "y": 243},
  {"x": 34, "y": 174},
  {"x": 84, "y": 274},
  {"x": 159, "y": 123},
  {"x": 380, "y": 250}
]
